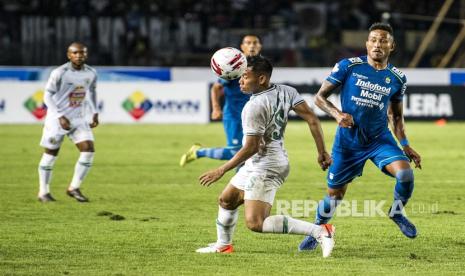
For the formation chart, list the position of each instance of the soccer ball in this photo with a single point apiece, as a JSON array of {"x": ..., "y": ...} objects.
[{"x": 228, "y": 63}]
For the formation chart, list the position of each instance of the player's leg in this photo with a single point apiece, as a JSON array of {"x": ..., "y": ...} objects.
[
  {"x": 83, "y": 138},
  {"x": 45, "y": 174},
  {"x": 229, "y": 201},
  {"x": 233, "y": 131},
  {"x": 346, "y": 166},
  {"x": 258, "y": 219},
  {"x": 392, "y": 161},
  {"x": 402, "y": 193},
  {"x": 51, "y": 141}
]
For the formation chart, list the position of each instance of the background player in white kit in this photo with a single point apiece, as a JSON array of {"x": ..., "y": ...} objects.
[
  {"x": 264, "y": 120},
  {"x": 65, "y": 95}
]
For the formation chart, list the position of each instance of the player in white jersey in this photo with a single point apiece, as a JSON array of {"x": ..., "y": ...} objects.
[
  {"x": 264, "y": 119},
  {"x": 68, "y": 89}
]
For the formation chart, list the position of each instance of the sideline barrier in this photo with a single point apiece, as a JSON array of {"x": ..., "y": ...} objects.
[{"x": 118, "y": 102}]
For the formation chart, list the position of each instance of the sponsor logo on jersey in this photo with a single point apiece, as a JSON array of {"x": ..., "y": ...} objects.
[
  {"x": 360, "y": 76},
  {"x": 397, "y": 71},
  {"x": 367, "y": 94},
  {"x": 355, "y": 60},
  {"x": 137, "y": 105},
  {"x": 373, "y": 87},
  {"x": 35, "y": 104}
]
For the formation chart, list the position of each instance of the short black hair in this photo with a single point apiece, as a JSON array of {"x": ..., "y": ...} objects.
[
  {"x": 382, "y": 26},
  {"x": 257, "y": 36},
  {"x": 260, "y": 65}
]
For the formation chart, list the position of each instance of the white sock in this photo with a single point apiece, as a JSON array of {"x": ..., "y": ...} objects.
[
  {"x": 81, "y": 169},
  {"x": 287, "y": 225},
  {"x": 225, "y": 225},
  {"x": 45, "y": 173}
]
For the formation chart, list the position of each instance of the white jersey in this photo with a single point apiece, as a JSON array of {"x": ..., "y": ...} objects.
[
  {"x": 266, "y": 114},
  {"x": 69, "y": 88}
]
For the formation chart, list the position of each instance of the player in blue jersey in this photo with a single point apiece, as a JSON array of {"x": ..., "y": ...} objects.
[
  {"x": 234, "y": 101},
  {"x": 370, "y": 89}
]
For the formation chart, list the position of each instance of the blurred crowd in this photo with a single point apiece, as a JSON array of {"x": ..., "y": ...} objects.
[{"x": 186, "y": 32}]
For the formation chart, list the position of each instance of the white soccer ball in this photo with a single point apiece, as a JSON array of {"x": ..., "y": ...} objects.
[{"x": 228, "y": 63}]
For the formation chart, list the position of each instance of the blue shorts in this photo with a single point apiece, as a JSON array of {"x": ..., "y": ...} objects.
[
  {"x": 234, "y": 134},
  {"x": 348, "y": 164}
]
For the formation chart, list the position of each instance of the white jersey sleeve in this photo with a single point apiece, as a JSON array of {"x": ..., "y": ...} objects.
[
  {"x": 54, "y": 81},
  {"x": 254, "y": 119},
  {"x": 295, "y": 97},
  {"x": 92, "y": 99}
]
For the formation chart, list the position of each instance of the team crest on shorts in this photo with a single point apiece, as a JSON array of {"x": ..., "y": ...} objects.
[{"x": 53, "y": 141}]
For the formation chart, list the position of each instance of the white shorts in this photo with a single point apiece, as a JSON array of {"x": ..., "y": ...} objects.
[
  {"x": 53, "y": 133},
  {"x": 260, "y": 184}
]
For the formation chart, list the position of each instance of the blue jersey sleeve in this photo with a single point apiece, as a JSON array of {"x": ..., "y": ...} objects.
[
  {"x": 339, "y": 72},
  {"x": 399, "y": 95}
]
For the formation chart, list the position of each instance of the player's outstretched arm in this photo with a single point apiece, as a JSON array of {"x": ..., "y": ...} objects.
[
  {"x": 216, "y": 93},
  {"x": 306, "y": 113},
  {"x": 396, "y": 113},
  {"x": 321, "y": 100},
  {"x": 252, "y": 145}
]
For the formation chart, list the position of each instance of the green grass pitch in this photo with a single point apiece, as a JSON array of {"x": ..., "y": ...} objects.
[{"x": 168, "y": 214}]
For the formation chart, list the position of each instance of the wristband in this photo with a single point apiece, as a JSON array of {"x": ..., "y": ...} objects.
[{"x": 404, "y": 142}]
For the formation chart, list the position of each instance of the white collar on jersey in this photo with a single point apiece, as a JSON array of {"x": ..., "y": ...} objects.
[{"x": 273, "y": 86}]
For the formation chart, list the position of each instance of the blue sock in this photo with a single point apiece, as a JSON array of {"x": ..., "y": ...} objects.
[
  {"x": 325, "y": 210},
  {"x": 217, "y": 153},
  {"x": 402, "y": 191}
]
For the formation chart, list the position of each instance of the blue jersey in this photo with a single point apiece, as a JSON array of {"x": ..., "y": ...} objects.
[
  {"x": 365, "y": 94},
  {"x": 234, "y": 99}
]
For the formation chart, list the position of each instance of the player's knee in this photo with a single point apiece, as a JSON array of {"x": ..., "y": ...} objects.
[
  {"x": 336, "y": 194},
  {"x": 254, "y": 224},
  {"x": 226, "y": 203},
  {"x": 405, "y": 176},
  {"x": 86, "y": 146}
]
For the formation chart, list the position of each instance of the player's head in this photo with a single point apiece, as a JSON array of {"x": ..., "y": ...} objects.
[
  {"x": 257, "y": 76},
  {"x": 380, "y": 42},
  {"x": 251, "y": 45},
  {"x": 77, "y": 54}
]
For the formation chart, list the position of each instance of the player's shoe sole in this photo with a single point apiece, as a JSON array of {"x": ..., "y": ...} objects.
[
  {"x": 76, "y": 194},
  {"x": 326, "y": 239},
  {"x": 190, "y": 155},
  {"x": 406, "y": 227},
  {"x": 46, "y": 198},
  {"x": 213, "y": 248}
]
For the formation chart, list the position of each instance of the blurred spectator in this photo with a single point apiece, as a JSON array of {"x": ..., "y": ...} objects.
[{"x": 186, "y": 32}]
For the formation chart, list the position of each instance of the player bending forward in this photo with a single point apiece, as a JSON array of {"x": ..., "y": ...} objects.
[
  {"x": 65, "y": 95},
  {"x": 264, "y": 120}
]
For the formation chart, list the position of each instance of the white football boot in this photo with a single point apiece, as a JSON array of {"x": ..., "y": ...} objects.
[
  {"x": 326, "y": 239},
  {"x": 214, "y": 248}
]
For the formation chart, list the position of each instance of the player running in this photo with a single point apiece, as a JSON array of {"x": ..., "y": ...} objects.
[
  {"x": 65, "y": 94},
  {"x": 234, "y": 101},
  {"x": 369, "y": 86},
  {"x": 264, "y": 119}
]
